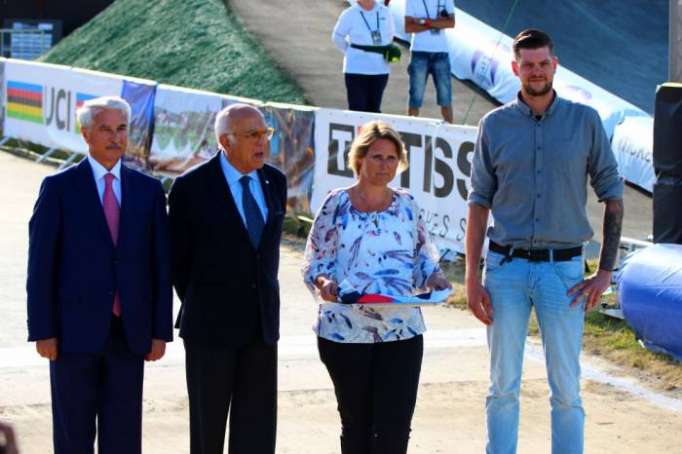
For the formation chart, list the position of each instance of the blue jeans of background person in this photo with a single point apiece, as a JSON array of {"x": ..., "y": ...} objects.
[
  {"x": 421, "y": 65},
  {"x": 515, "y": 286},
  {"x": 365, "y": 91}
]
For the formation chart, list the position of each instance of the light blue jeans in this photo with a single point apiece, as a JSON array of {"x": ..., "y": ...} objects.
[{"x": 514, "y": 287}]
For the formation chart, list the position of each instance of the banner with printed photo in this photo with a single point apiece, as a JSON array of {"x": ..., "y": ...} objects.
[
  {"x": 184, "y": 127},
  {"x": 42, "y": 100},
  {"x": 438, "y": 176},
  {"x": 291, "y": 150},
  {"x": 140, "y": 96}
]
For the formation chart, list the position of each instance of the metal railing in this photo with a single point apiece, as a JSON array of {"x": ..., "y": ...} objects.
[{"x": 25, "y": 43}]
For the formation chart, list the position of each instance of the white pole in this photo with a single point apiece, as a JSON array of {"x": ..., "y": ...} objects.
[{"x": 675, "y": 42}]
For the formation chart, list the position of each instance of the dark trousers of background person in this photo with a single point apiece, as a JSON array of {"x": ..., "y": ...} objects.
[
  {"x": 376, "y": 391},
  {"x": 98, "y": 393},
  {"x": 241, "y": 380},
  {"x": 365, "y": 91}
]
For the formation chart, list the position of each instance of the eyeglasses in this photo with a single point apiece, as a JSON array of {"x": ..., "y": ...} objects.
[{"x": 255, "y": 134}]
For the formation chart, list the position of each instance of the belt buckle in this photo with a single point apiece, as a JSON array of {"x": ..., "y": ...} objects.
[{"x": 534, "y": 258}]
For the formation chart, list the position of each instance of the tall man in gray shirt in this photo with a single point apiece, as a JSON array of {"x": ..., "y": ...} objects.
[{"x": 531, "y": 166}]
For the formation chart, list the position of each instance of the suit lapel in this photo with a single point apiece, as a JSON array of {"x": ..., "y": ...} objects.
[
  {"x": 127, "y": 202},
  {"x": 265, "y": 186},
  {"x": 87, "y": 190},
  {"x": 271, "y": 200}
]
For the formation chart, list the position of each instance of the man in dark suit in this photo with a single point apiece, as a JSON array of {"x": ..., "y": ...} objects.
[
  {"x": 99, "y": 289},
  {"x": 226, "y": 223}
]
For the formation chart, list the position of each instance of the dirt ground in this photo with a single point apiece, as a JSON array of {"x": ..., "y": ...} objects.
[{"x": 622, "y": 415}]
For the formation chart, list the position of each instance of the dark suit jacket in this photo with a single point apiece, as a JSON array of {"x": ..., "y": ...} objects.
[
  {"x": 74, "y": 267},
  {"x": 229, "y": 290}
]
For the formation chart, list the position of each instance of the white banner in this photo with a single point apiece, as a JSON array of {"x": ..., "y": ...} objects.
[
  {"x": 184, "y": 127},
  {"x": 42, "y": 100},
  {"x": 438, "y": 176},
  {"x": 633, "y": 144}
]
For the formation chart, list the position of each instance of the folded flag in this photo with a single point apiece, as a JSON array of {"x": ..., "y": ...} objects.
[{"x": 429, "y": 298}]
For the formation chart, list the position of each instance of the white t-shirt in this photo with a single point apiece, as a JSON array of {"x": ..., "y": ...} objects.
[
  {"x": 429, "y": 9},
  {"x": 352, "y": 28}
]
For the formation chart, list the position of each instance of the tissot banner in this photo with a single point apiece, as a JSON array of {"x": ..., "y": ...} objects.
[{"x": 438, "y": 176}]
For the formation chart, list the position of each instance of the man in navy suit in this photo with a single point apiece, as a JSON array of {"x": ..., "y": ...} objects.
[
  {"x": 99, "y": 289},
  {"x": 226, "y": 223}
]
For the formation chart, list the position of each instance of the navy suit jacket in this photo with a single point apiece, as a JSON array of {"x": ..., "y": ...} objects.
[
  {"x": 74, "y": 267},
  {"x": 229, "y": 289}
]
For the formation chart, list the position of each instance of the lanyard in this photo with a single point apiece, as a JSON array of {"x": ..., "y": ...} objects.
[
  {"x": 428, "y": 15},
  {"x": 371, "y": 32}
]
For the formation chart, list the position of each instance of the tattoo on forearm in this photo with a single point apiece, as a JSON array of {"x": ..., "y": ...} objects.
[{"x": 613, "y": 224}]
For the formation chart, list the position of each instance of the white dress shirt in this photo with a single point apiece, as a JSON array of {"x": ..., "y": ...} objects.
[
  {"x": 232, "y": 177},
  {"x": 98, "y": 172}
]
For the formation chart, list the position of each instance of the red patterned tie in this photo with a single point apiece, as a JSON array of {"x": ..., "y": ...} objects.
[{"x": 112, "y": 213}]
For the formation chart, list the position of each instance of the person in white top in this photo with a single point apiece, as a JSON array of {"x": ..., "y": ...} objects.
[
  {"x": 426, "y": 20},
  {"x": 366, "y": 23},
  {"x": 370, "y": 238}
]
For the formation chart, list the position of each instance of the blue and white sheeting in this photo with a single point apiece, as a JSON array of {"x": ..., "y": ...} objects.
[
  {"x": 483, "y": 55},
  {"x": 650, "y": 294}
]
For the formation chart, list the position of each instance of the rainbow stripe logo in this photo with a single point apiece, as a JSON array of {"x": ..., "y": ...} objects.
[
  {"x": 25, "y": 101},
  {"x": 80, "y": 99}
]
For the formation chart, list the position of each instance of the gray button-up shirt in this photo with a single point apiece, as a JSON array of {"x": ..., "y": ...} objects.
[{"x": 532, "y": 173}]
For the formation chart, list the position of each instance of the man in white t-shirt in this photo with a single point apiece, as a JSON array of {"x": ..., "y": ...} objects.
[{"x": 426, "y": 20}]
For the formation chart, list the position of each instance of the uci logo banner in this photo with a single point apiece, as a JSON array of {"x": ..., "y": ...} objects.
[{"x": 42, "y": 101}]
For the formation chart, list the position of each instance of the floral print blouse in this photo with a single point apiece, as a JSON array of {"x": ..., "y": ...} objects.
[{"x": 386, "y": 252}]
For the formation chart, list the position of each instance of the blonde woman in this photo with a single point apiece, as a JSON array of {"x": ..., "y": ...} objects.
[{"x": 370, "y": 238}]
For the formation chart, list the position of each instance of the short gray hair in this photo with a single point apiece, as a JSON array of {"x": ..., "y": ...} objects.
[
  {"x": 222, "y": 120},
  {"x": 90, "y": 108}
]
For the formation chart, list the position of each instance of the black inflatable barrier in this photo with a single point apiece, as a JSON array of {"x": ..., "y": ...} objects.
[
  {"x": 668, "y": 211},
  {"x": 668, "y": 131}
]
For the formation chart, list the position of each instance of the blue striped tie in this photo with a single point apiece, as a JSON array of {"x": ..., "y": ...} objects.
[{"x": 254, "y": 218}]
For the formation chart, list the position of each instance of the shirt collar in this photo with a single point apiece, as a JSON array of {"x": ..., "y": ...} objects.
[
  {"x": 525, "y": 108},
  {"x": 374, "y": 8},
  {"x": 98, "y": 170},
  {"x": 232, "y": 175}
]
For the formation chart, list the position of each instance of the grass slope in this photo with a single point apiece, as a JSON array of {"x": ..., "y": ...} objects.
[{"x": 190, "y": 43}]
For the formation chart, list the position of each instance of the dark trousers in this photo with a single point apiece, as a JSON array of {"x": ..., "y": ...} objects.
[
  {"x": 376, "y": 391},
  {"x": 365, "y": 91},
  {"x": 98, "y": 393},
  {"x": 238, "y": 380}
]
